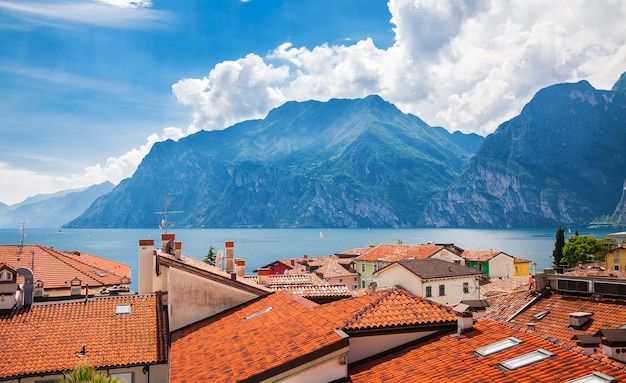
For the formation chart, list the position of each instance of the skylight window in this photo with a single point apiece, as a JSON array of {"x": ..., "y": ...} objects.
[
  {"x": 498, "y": 346},
  {"x": 256, "y": 314},
  {"x": 596, "y": 377},
  {"x": 123, "y": 309},
  {"x": 525, "y": 360}
]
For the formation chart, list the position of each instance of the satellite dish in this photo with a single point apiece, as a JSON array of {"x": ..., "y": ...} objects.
[
  {"x": 169, "y": 247},
  {"x": 219, "y": 257}
]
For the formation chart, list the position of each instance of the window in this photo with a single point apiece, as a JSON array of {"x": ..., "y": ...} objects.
[
  {"x": 362, "y": 266},
  {"x": 498, "y": 346},
  {"x": 466, "y": 287},
  {"x": 526, "y": 359},
  {"x": 363, "y": 284},
  {"x": 123, "y": 308},
  {"x": 596, "y": 377},
  {"x": 123, "y": 376},
  {"x": 442, "y": 290},
  {"x": 429, "y": 291}
]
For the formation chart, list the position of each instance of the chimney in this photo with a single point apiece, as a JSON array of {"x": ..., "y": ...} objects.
[
  {"x": 578, "y": 319},
  {"x": 241, "y": 266},
  {"x": 230, "y": 254},
  {"x": 29, "y": 285},
  {"x": 264, "y": 275},
  {"x": 613, "y": 343},
  {"x": 166, "y": 244},
  {"x": 465, "y": 318},
  {"x": 146, "y": 265},
  {"x": 178, "y": 249}
]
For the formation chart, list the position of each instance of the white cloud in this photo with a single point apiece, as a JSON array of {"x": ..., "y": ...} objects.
[
  {"x": 17, "y": 183},
  {"x": 464, "y": 66},
  {"x": 109, "y": 13}
]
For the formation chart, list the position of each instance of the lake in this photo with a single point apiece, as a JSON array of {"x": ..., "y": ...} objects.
[{"x": 262, "y": 246}]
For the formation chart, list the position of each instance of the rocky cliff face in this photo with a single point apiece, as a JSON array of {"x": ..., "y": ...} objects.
[
  {"x": 561, "y": 161},
  {"x": 342, "y": 163}
]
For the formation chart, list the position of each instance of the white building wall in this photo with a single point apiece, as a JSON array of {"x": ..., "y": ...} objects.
[
  {"x": 331, "y": 367},
  {"x": 502, "y": 266},
  {"x": 396, "y": 275},
  {"x": 365, "y": 346},
  {"x": 448, "y": 256},
  {"x": 192, "y": 298}
]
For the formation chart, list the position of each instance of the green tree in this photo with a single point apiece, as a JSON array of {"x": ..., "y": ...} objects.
[
  {"x": 210, "y": 256},
  {"x": 86, "y": 374},
  {"x": 557, "y": 253},
  {"x": 583, "y": 248}
]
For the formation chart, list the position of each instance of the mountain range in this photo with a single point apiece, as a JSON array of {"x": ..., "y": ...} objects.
[{"x": 363, "y": 163}]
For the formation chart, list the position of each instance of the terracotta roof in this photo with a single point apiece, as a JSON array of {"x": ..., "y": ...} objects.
[
  {"x": 269, "y": 332},
  {"x": 281, "y": 280},
  {"x": 432, "y": 268},
  {"x": 47, "y": 338},
  {"x": 521, "y": 260},
  {"x": 318, "y": 291},
  {"x": 332, "y": 269},
  {"x": 385, "y": 308},
  {"x": 398, "y": 308},
  {"x": 499, "y": 286},
  {"x": 504, "y": 306},
  {"x": 249, "y": 340},
  {"x": 356, "y": 251},
  {"x": 57, "y": 268},
  {"x": 607, "y": 314},
  {"x": 480, "y": 255},
  {"x": 452, "y": 358},
  {"x": 392, "y": 253}
]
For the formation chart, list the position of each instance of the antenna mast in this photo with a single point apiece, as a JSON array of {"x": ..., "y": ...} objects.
[{"x": 164, "y": 222}]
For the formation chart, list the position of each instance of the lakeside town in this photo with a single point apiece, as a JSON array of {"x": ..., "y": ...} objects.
[{"x": 387, "y": 312}]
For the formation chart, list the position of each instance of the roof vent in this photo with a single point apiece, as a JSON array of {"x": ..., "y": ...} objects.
[
  {"x": 614, "y": 343},
  {"x": 578, "y": 319},
  {"x": 541, "y": 315}
]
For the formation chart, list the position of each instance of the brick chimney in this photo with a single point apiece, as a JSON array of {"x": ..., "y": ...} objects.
[
  {"x": 230, "y": 256},
  {"x": 241, "y": 266},
  {"x": 178, "y": 249},
  {"x": 264, "y": 275}
]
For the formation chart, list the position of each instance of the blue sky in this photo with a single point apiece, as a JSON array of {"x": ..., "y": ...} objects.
[{"x": 86, "y": 87}]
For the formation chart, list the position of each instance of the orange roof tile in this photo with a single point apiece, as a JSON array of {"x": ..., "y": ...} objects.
[
  {"x": 249, "y": 340},
  {"x": 57, "y": 268},
  {"x": 47, "y": 338},
  {"x": 392, "y": 253},
  {"x": 332, "y": 269},
  {"x": 480, "y": 255},
  {"x": 386, "y": 308},
  {"x": 607, "y": 314},
  {"x": 504, "y": 306},
  {"x": 451, "y": 358}
]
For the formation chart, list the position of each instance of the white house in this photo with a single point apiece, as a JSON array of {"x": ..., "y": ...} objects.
[{"x": 439, "y": 281}]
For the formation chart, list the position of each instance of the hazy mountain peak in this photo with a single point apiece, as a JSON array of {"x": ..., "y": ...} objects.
[{"x": 620, "y": 85}]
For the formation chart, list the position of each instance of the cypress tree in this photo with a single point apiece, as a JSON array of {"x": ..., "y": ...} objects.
[{"x": 557, "y": 253}]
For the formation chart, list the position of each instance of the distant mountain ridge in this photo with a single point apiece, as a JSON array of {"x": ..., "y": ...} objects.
[
  {"x": 560, "y": 162},
  {"x": 52, "y": 210},
  {"x": 341, "y": 163}
]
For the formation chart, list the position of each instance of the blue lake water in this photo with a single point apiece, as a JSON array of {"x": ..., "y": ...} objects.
[{"x": 262, "y": 246}]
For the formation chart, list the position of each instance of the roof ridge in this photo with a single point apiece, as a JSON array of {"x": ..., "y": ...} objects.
[{"x": 384, "y": 294}]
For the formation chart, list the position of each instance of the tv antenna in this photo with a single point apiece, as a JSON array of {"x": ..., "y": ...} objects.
[{"x": 164, "y": 222}]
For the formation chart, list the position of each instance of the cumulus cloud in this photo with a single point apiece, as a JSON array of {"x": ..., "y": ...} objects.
[
  {"x": 466, "y": 66},
  {"x": 17, "y": 183}
]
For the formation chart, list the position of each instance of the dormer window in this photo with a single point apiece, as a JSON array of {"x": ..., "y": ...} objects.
[{"x": 6, "y": 275}]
